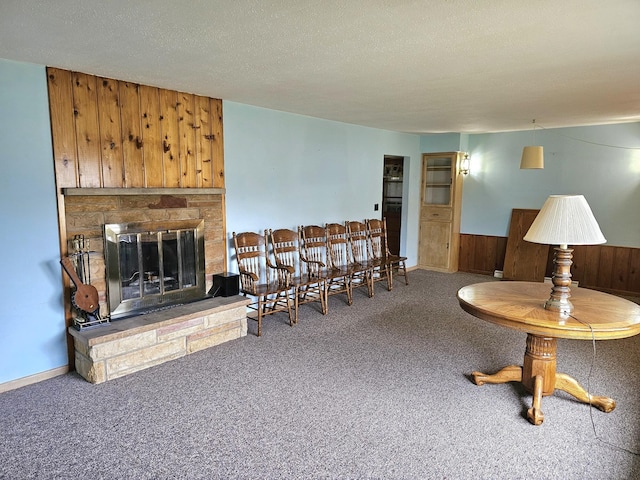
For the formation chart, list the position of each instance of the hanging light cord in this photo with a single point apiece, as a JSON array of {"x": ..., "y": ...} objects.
[
  {"x": 587, "y": 141},
  {"x": 593, "y": 361}
]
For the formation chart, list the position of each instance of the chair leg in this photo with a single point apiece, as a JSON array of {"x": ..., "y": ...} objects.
[
  {"x": 404, "y": 270},
  {"x": 295, "y": 304},
  {"x": 323, "y": 297},
  {"x": 389, "y": 271},
  {"x": 261, "y": 305},
  {"x": 288, "y": 299}
]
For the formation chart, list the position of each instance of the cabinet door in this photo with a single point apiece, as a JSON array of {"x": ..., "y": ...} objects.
[
  {"x": 437, "y": 175},
  {"x": 435, "y": 238}
]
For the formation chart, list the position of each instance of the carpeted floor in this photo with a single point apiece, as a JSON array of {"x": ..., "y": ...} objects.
[{"x": 377, "y": 390}]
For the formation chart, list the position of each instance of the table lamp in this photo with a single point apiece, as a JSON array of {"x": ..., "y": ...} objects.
[{"x": 564, "y": 220}]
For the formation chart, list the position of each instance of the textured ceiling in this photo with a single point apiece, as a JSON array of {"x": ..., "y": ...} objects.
[{"x": 410, "y": 66}]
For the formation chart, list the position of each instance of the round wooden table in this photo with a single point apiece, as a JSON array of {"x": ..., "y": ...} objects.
[{"x": 520, "y": 305}]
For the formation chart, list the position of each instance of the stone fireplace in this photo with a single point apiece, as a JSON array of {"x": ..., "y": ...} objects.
[
  {"x": 88, "y": 210},
  {"x": 173, "y": 242}
]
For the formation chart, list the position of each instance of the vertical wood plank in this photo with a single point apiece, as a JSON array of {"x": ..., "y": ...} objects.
[
  {"x": 218, "y": 143},
  {"x": 110, "y": 132},
  {"x": 133, "y": 163},
  {"x": 634, "y": 270},
  {"x": 524, "y": 260},
  {"x": 605, "y": 267},
  {"x": 620, "y": 275},
  {"x": 578, "y": 269},
  {"x": 481, "y": 254},
  {"x": 204, "y": 138},
  {"x": 186, "y": 124},
  {"x": 590, "y": 264},
  {"x": 87, "y": 130},
  {"x": 62, "y": 128},
  {"x": 151, "y": 136},
  {"x": 170, "y": 138},
  {"x": 501, "y": 251},
  {"x": 467, "y": 250},
  {"x": 65, "y": 168}
]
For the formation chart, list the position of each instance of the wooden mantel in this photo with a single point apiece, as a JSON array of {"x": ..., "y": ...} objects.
[{"x": 141, "y": 191}]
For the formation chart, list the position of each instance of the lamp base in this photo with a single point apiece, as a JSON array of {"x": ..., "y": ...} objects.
[
  {"x": 561, "y": 306},
  {"x": 561, "y": 279}
]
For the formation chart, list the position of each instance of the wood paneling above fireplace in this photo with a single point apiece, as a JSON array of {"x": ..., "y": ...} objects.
[{"x": 110, "y": 133}]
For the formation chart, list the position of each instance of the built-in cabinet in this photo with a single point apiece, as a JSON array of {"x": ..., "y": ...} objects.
[{"x": 440, "y": 207}]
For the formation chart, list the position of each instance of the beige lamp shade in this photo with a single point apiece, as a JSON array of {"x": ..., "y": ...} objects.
[
  {"x": 532, "y": 157},
  {"x": 565, "y": 220}
]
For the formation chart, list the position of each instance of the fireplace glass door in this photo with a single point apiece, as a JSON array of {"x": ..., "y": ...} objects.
[{"x": 152, "y": 265}]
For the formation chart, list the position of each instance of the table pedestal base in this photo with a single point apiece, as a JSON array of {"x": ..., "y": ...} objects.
[{"x": 539, "y": 377}]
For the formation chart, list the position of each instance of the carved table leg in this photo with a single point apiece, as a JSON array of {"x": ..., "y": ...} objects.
[
  {"x": 512, "y": 373},
  {"x": 539, "y": 372},
  {"x": 534, "y": 414},
  {"x": 570, "y": 385}
]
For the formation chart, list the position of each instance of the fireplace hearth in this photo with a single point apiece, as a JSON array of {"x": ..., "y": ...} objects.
[{"x": 153, "y": 265}]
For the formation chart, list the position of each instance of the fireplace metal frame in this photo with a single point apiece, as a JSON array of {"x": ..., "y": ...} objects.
[{"x": 122, "y": 308}]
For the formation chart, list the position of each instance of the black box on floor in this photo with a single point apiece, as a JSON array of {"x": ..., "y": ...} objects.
[{"x": 225, "y": 285}]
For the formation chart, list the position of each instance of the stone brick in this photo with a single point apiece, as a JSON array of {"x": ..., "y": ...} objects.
[
  {"x": 137, "y": 368},
  {"x": 207, "y": 200},
  {"x": 93, "y": 372},
  {"x": 215, "y": 336},
  {"x": 90, "y": 203},
  {"x": 183, "y": 213},
  {"x": 79, "y": 221},
  {"x": 81, "y": 346},
  {"x": 228, "y": 316},
  {"x": 181, "y": 329},
  {"x": 145, "y": 357},
  {"x": 115, "y": 347},
  {"x": 136, "y": 202}
]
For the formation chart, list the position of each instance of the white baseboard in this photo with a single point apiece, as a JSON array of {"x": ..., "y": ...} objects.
[{"x": 35, "y": 378}]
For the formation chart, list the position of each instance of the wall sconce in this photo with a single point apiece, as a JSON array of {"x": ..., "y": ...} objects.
[
  {"x": 532, "y": 157},
  {"x": 464, "y": 164}
]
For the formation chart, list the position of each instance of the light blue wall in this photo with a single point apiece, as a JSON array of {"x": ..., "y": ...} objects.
[
  {"x": 32, "y": 328},
  {"x": 608, "y": 177},
  {"x": 283, "y": 170},
  {"x": 440, "y": 142}
]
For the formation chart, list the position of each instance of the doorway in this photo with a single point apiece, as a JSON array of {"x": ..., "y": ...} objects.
[{"x": 392, "y": 200}]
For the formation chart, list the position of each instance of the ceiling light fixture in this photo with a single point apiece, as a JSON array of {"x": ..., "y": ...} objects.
[{"x": 532, "y": 156}]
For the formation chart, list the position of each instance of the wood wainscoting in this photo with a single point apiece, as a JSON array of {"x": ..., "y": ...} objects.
[
  {"x": 481, "y": 253},
  {"x": 601, "y": 267}
]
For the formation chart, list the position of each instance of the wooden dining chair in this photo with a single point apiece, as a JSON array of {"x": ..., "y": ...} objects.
[
  {"x": 382, "y": 270},
  {"x": 379, "y": 246},
  {"x": 317, "y": 261},
  {"x": 270, "y": 285},
  {"x": 340, "y": 261},
  {"x": 362, "y": 264},
  {"x": 309, "y": 286}
]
